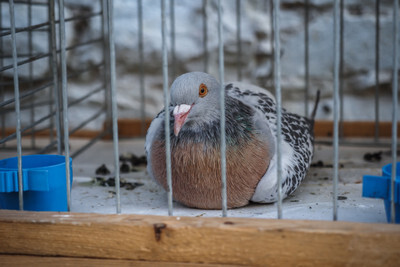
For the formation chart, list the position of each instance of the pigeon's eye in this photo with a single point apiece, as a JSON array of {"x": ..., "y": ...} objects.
[{"x": 203, "y": 90}]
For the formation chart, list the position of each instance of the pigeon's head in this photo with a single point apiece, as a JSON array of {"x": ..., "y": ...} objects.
[{"x": 195, "y": 98}]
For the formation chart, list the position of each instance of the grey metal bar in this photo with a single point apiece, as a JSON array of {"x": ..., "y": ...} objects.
[
  {"x": 51, "y": 93},
  {"x": 222, "y": 110},
  {"x": 336, "y": 104},
  {"x": 114, "y": 110},
  {"x": 306, "y": 57},
  {"x": 395, "y": 89},
  {"x": 76, "y": 73},
  {"x": 238, "y": 39},
  {"x": 30, "y": 49},
  {"x": 173, "y": 54},
  {"x": 166, "y": 104},
  {"x": 272, "y": 42},
  {"x": 24, "y": 95},
  {"x": 23, "y": 29},
  {"x": 17, "y": 110},
  {"x": 40, "y": 25},
  {"x": 3, "y": 118},
  {"x": 277, "y": 77},
  {"x": 24, "y": 2},
  {"x": 54, "y": 70},
  {"x": 89, "y": 144},
  {"x": 106, "y": 62},
  {"x": 26, "y": 61},
  {"x": 341, "y": 68},
  {"x": 65, "y": 101},
  {"x": 87, "y": 95},
  {"x": 205, "y": 36},
  {"x": 141, "y": 69},
  {"x": 85, "y": 122},
  {"x": 377, "y": 58}
]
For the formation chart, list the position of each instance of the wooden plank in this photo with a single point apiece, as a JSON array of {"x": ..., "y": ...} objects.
[
  {"x": 128, "y": 128},
  {"x": 239, "y": 241},
  {"x": 43, "y": 261},
  {"x": 354, "y": 129}
]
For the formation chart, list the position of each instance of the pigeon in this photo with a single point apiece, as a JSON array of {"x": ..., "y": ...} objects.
[{"x": 251, "y": 139}]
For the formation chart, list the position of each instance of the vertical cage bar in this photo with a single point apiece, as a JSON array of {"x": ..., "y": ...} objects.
[
  {"x": 106, "y": 61},
  {"x": 336, "y": 103},
  {"x": 166, "y": 104},
  {"x": 54, "y": 69},
  {"x": 141, "y": 69},
  {"x": 114, "y": 111},
  {"x": 238, "y": 39},
  {"x": 395, "y": 107},
  {"x": 222, "y": 109},
  {"x": 172, "y": 21},
  {"x": 30, "y": 53},
  {"x": 271, "y": 7},
  {"x": 17, "y": 104},
  {"x": 205, "y": 36},
  {"x": 377, "y": 58},
  {"x": 306, "y": 57},
  {"x": 65, "y": 100},
  {"x": 2, "y": 115},
  {"x": 277, "y": 81},
  {"x": 341, "y": 67}
]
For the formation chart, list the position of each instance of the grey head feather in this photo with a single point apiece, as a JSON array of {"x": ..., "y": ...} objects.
[{"x": 185, "y": 90}]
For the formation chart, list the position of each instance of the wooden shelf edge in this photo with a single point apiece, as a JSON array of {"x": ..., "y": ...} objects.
[
  {"x": 240, "y": 241},
  {"x": 129, "y": 128}
]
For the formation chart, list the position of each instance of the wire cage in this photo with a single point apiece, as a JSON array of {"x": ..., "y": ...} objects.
[{"x": 45, "y": 100}]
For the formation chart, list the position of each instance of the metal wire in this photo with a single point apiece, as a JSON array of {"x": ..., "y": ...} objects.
[
  {"x": 65, "y": 101},
  {"x": 173, "y": 54},
  {"x": 341, "y": 68},
  {"x": 30, "y": 49},
  {"x": 166, "y": 104},
  {"x": 205, "y": 36},
  {"x": 3, "y": 117},
  {"x": 277, "y": 77},
  {"x": 238, "y": 39},
  {"x": 377, "y": 58},
  {"x": 141, "y": 69},
  {"x": 336, "y": 104},
  {"x": 114, "y": 110},
  {"x": 306, "y": 57},
  {"x": 222, "y": 110},
  {"x": 17, "y": 104},
  {"x": 395, "y": 108}
]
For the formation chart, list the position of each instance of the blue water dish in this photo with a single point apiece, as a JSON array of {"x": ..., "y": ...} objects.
[
  {"x": 380, "y": 187},
  {"x": 44, "y": 183}
]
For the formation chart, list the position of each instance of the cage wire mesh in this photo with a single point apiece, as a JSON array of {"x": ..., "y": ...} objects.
[{"x": 34, "y": 77}]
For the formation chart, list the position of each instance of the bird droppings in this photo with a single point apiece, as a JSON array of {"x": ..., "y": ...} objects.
[
  {"x": 102, "y": 170},
  {"x": 125, "y": 167},
  {"x": 133, "y": 159},
  {"x": 321, "y": 164},
  {"x": 111, "y": 182},
  {"x": 373, "y": 157},
  {"x": 341, "y": 197}
]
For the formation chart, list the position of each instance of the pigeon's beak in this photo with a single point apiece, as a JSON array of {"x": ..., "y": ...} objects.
[{"x": 180, "y": 113}]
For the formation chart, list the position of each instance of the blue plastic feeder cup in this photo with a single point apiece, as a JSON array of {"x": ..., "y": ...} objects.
[
  {"x": 380, "y": 187},
  {"x": 44, "y": 183}
]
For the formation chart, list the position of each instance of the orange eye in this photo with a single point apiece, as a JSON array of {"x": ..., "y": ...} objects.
[{"x": 203, "y": 90}]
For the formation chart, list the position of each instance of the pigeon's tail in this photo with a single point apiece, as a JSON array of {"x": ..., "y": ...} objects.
[{"x": 312, "y": 117}]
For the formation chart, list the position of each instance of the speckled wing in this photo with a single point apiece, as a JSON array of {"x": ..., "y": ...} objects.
[{"x": 297, "y": 144}]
